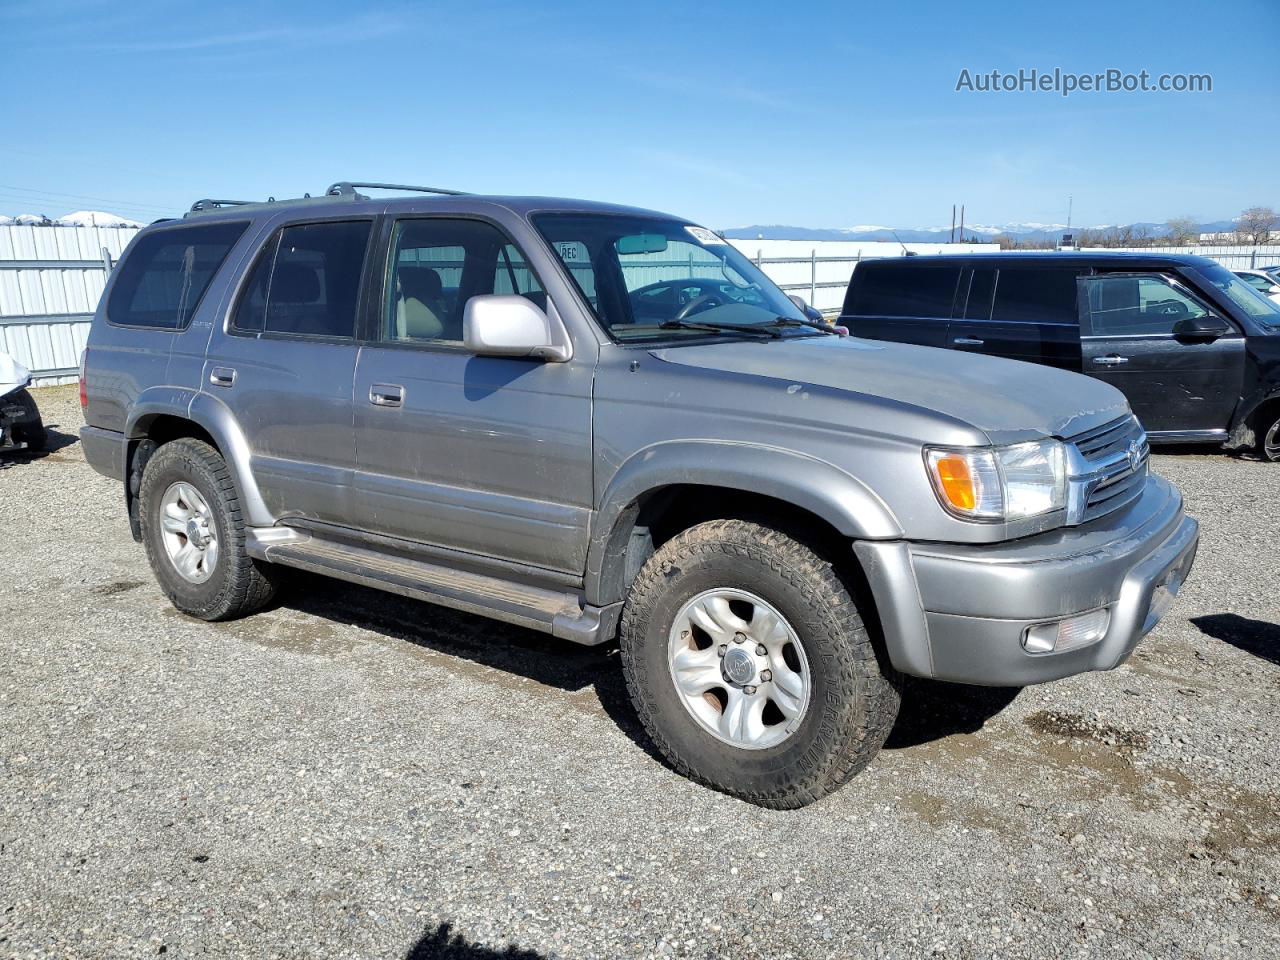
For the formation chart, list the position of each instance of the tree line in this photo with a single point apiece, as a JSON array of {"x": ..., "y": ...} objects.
[{"x": 1254, "y": 226}]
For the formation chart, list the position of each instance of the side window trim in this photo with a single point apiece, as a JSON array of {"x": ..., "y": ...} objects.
[{"x": 272, "y": 244}]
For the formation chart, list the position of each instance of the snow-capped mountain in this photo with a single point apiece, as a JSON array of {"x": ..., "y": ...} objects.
[
  {"x": 77, "y": 218},
  {"x": 96, "y": 218},
  {"x": 1028, "y": 231}
]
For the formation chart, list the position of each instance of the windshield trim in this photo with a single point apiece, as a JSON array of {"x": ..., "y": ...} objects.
[{"x": 664, "y": 338}]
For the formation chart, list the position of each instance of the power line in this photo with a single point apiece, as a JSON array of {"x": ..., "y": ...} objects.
[{"x": 51, "y": 194}]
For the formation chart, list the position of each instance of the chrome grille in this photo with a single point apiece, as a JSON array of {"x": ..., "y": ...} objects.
[{"x": 1108, "y": 469}]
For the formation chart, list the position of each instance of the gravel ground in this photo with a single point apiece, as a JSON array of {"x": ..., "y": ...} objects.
[{"x": 355, "y": 775}]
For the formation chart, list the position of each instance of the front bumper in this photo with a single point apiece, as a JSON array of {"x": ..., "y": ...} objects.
[{"x": 959, "y": 612}]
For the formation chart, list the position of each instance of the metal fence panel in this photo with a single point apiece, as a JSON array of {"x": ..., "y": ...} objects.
[{"x": 51, "y": 279}]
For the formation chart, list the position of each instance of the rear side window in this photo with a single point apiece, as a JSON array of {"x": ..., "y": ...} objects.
[
  {"x": 164, "y": 277},
  {"x": 1036, "y": 296},
  {"x": 902, "y": 290},
  {"x": 306, "y": 281}
]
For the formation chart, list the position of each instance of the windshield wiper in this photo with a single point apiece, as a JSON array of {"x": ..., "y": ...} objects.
[
  {"x": 765, "y": 329},
  {"x": 782, "y": 321}
]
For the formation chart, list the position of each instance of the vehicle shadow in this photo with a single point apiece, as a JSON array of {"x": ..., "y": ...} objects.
[
  {"x": 536, "y": 656},
  {"x": 439, "y": 942},
  {"x": 932, "y": 710},
  {"x": 1258, "y": 637},
  {"x": 55, "y": 440}
]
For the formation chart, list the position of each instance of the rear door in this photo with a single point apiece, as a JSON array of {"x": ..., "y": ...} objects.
[
  {"x": 1020, "y": 312},
  {"x": 1172, "y": 383},
  {"x": 901, "y": 301},
  {"x": 285, "y": 364}
]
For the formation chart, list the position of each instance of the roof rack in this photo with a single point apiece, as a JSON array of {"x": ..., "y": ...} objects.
[
  {"x": 345, "y": 187},
  {"x": 216, "y": 204}
]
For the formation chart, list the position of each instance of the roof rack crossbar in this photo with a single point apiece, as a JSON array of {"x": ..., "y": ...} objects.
[
  {"x": 208, "y": 204},
  {"x": 344, "y": 187}
]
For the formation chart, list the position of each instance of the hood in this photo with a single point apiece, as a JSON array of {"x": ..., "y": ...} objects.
[
  {"x": 12, "y": 374},
  {"x": 1008, "y": 400}
]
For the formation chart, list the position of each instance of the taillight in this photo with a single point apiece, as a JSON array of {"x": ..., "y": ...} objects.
[{"x": 84, "y": 397}]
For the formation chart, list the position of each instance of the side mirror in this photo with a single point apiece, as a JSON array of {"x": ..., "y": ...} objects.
[
  {"x": 811, "y": 313},
  {"x": 1205, "y": 327},
  {"x": 498, "y": 325}
]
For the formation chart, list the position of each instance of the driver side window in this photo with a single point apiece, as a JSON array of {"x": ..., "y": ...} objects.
[{"x": 1137, "y": 305}]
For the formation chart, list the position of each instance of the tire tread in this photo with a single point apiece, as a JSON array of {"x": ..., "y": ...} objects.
[{"x": 870, "y": 687}]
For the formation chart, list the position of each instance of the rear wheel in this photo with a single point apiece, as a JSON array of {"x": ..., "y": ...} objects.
[
  {"x": 194, "y": 534},
  {"x": 750, "y": 666}
]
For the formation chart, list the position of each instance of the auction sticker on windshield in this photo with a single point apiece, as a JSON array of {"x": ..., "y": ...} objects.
[
  {"x": 704, "y": 236},
  {"x": 572, "y": 251}
]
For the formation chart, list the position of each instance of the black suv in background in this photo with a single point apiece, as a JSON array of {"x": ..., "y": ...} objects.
[{"x": 1194, "y": 348}]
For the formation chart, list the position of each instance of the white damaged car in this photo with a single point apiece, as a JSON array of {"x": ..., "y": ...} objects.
[{"x": 20, "y": 425}]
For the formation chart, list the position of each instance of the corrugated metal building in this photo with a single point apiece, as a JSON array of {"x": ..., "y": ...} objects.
[{"x": 50, "y": 280}]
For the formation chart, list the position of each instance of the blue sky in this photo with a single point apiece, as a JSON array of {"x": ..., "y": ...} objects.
[{"x": 814, "y": 114}]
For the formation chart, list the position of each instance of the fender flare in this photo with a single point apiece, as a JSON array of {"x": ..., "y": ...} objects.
[
  {"x": 213, "y": 416},
  {"x": 819, "y": 487},
  {"x": 1240, "y": 431}
]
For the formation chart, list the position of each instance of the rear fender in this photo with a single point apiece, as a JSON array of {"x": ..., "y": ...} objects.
[{"x": 216, "y": 419}]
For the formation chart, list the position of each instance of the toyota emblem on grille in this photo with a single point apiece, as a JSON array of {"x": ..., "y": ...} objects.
[{"x": 1135, "y": 455}]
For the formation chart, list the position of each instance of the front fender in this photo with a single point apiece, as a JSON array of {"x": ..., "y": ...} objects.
[
  {"x": 216, "y": 419},
  {"x": 816, "y": 486}
]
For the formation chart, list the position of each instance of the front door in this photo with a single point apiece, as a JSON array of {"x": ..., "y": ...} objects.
[
  {"x": 285, "y": 364},
  {"x": 1172, "y": 383},
  {"x": 491, "y": 455}
]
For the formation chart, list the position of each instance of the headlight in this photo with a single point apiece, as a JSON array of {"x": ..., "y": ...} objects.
[{"x": 999, "y": 483}]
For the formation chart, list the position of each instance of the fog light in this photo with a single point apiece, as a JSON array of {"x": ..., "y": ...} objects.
[{"x": 1059, "y": 636}]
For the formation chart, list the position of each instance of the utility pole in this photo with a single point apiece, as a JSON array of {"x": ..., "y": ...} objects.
[
  {"x": 1070, "y": 200},
  {"x": 953, "y": 224},
  {"x": 962, "y": 223}
]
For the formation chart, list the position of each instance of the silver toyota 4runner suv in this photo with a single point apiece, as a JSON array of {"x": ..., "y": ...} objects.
[{"x": 598, "y": 422}]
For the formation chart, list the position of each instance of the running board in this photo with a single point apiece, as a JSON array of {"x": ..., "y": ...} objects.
[{"x": 559, "y": 613}]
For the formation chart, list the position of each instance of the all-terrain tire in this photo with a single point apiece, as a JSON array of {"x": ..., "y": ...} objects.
[
  {"x": 854, "y": 695},
  {"x": 239, "y": 585}
]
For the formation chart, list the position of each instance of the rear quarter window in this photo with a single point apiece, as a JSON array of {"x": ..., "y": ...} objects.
[
  {"x": 1036, "y": 295},
  {"x": 166, "y": 274},
  {"x": 902, "y": 290}
]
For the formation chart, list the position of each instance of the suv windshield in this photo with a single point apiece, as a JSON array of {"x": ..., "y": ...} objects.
[
  {"x": 652, "y": 278},
  {"x": 1251, "y": 301}
]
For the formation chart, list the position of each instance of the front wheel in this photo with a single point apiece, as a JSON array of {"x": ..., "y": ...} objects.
[
  {"x": 28, "y": 428},
  {"x": 1269, "y": 436},
  {"x": 750, "y": 665}
]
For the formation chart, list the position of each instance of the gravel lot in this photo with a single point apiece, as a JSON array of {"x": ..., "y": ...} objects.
[{"x": 355, "y": 775}]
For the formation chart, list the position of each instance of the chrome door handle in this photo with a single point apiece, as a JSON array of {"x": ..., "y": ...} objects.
[
  {"x": 222, "y": 376},
  {"x": 968, "y": 342},
  {"x": 386, "y": 395},
  {"x": 1110, "y": 361}
]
